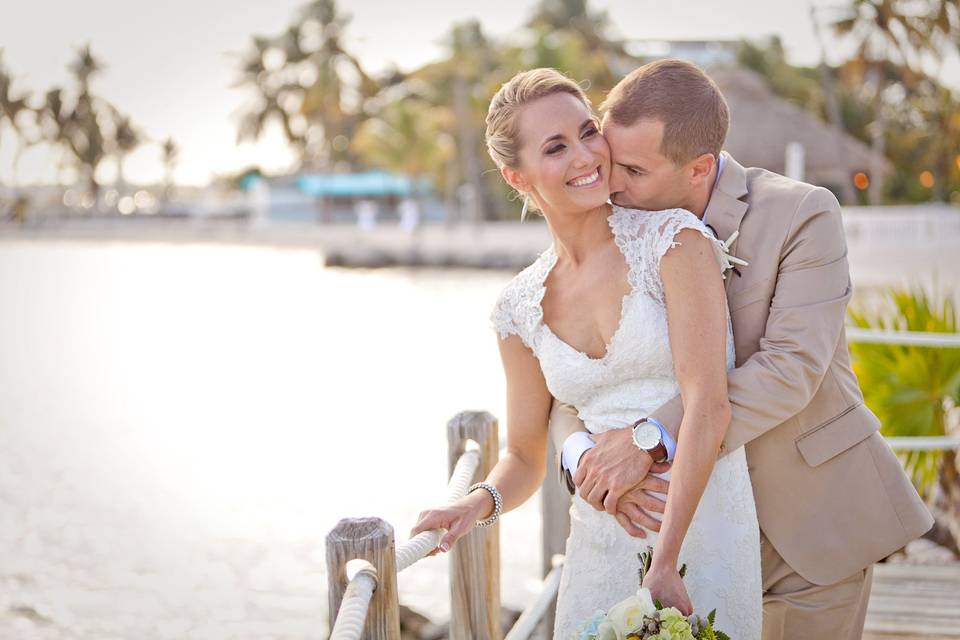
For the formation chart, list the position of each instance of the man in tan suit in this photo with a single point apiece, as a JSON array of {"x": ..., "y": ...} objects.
[{"x": 831, "y": 497}]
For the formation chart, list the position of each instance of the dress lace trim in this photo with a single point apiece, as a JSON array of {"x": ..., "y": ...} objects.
[{"x": 644, "y": 237}]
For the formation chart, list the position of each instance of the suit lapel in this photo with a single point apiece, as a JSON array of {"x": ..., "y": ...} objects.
[{"x": 727, "y": 205}]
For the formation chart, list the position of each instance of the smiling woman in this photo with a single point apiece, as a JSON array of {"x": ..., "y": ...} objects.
[{"x": 534, "y": 102}]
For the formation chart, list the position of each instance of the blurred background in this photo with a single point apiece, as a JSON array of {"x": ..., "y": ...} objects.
[{"x": 248, "y": 250}]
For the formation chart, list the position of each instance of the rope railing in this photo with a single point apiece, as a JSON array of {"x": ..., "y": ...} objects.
[
  {"x": 362, "y": 576},
  {"x": 417, "y": 547},
  {"x": 906, "y": 338},
  {"x": 924, "y": 443},
  {"x": 361, "y": 583},
  {"x": 363, "y": 564}
]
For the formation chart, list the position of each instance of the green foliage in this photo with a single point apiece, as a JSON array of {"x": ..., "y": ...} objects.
[{"x": 910, "y": 387}]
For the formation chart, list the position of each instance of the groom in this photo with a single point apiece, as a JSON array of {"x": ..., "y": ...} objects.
[{"x": 831, "y": 497}]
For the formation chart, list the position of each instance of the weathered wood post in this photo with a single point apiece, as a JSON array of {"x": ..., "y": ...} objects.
[
  {"x": 475, "y": 558},
  {"x": 369, "y": 539},
  {"x": 555, "y": 522}
]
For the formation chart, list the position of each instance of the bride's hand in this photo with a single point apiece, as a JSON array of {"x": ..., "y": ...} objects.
[
  {"x": 456, "y": 519},
  {"x": 666, "y": 585},
  {"x": 641, "y": 507}
]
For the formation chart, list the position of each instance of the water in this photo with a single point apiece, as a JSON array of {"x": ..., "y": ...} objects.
[{"x": 180, "y": 427}]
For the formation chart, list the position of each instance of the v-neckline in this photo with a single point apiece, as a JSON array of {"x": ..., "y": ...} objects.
[{"x": 624, "y": 300}]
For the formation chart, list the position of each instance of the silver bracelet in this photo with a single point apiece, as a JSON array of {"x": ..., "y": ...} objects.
[{"x": 497, "y": 502}]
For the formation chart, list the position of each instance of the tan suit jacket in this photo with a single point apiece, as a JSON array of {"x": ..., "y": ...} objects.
[{"x": 831, "y": 496}]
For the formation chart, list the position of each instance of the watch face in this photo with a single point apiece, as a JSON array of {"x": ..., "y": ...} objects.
[{"x": 646, "y": 435}]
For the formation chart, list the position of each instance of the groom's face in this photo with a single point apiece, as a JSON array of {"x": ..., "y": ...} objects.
[{"x": 640, "y": 176}]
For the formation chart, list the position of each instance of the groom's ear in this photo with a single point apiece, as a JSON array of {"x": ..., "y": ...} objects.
[
  {"x": 515, "y": 179},
  {"x": 701, "y": 166}
]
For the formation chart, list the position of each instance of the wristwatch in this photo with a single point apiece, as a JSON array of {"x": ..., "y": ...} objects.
[{"x": 648, "y": 437}]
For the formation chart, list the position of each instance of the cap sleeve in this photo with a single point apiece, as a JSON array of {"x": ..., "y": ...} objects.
[
  {"x": 518, "y": 310},
  {"x": 672, "y": 224},
  {"x": 644, "y": 237}
]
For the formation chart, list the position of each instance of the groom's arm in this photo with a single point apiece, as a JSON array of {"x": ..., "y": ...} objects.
[
  {"x": 803, "y": 329},
  {"x": 571, "y": 440}
]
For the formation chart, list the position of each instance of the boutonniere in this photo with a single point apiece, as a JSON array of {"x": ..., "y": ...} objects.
[{"x": 732, "y": 260}]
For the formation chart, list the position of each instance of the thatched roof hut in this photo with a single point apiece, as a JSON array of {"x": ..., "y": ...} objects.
[{"x": 762, "y": 124}]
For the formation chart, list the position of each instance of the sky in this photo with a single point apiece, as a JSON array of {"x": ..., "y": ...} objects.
[{"x": 169, "y": 65}]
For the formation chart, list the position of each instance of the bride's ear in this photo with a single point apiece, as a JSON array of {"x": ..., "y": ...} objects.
[{"x": 515, "y": 179}]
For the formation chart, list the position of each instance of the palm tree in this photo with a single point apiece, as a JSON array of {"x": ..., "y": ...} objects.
[
  {"x": 77, "y": 125},
  {"x": 332, "y": 101},
  {"x": 901, "y": 33},
  {"x": 11, "y": 106},
  {"x": 171, "y": 154},
  {"x": 409, "y": 136},
  {"x": 847, "y": 195},
  {"x": 575, "y": 16},
  {"x": 307, "y": 81},
  {"x": 126, "y": 138},
  {"x": 941, "y": 111},
  {"x": 270, "y": 95}
]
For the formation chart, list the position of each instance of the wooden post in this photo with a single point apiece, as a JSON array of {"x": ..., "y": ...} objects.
[
  {"x": 475, "y": 558},
  {"x": 555, "y": 522},
  {"x": 369, "y": 539}
]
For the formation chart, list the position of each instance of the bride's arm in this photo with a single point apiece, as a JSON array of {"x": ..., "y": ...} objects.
[
  {"x": 521, "y": 469},
  {"x": 697, "y": 320}
]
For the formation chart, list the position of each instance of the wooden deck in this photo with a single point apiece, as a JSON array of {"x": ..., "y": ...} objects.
[{"x": 914, "y": 603}]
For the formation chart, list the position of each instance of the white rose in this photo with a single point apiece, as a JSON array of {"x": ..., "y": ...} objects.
[
  {"x": 628, "y": 615},
  {"x": 606, "y": 631}
]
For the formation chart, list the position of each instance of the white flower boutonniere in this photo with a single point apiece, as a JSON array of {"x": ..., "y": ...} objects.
[{"x": 731, "y": 260}]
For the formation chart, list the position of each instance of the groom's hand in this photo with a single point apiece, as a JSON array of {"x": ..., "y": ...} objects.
[{"x": 611, "y": 468}]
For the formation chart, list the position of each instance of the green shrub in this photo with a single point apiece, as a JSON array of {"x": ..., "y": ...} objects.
[{"x": 910, "y": 388}]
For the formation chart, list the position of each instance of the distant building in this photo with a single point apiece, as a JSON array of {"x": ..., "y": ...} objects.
[
  {"x": 763, "y": 125},
  {"x": 341, "y": 197},
  {"x": 703, "y": 53}
]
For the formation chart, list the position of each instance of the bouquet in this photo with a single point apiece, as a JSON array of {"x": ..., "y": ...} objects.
[{"x": 640, "y": 617}]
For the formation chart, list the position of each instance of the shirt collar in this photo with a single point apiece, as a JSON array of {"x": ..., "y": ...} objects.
[{"x": 722, "y": 160}]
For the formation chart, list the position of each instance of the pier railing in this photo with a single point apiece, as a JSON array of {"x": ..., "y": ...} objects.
[{"x": 363, "y": 561}]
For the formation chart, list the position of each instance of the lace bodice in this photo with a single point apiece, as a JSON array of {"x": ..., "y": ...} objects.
[{"x": 635, "y": 375}]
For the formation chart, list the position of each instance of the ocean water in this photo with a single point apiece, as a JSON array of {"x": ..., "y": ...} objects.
[{"x": 180, "y": 427}]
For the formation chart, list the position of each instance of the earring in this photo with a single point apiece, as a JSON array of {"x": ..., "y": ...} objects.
[{"x": 523, "y": 211}]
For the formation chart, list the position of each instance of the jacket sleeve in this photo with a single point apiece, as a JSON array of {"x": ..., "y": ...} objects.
[{"x": 803, "y": 329}]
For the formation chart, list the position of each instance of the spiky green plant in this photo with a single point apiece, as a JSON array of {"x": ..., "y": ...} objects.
[{"x": 911, "y": 388}]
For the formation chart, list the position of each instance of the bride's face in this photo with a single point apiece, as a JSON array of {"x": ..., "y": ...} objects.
[{"x": 564, "y": 161}]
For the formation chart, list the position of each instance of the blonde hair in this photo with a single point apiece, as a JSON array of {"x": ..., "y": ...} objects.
[
  {"x": 679, "y": 94},
  {"x": 503, "y": 135}
]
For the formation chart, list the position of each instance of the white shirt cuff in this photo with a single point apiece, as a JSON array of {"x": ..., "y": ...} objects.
[
  {"x": 574, "y": 447},
  {"x": 668, "y": 441}
]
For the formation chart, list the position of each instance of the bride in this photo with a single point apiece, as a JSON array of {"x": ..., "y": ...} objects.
[{"x": 624, "y": 310}]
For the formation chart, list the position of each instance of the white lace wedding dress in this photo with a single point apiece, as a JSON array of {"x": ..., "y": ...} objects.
[{"x": 634, "y": 377}]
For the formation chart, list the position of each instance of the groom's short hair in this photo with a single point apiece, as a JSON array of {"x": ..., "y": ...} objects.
[{"x": 694, "y": 113}]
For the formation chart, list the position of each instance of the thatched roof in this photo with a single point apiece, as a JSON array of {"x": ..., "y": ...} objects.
[{"x": 762, "y": 124}]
